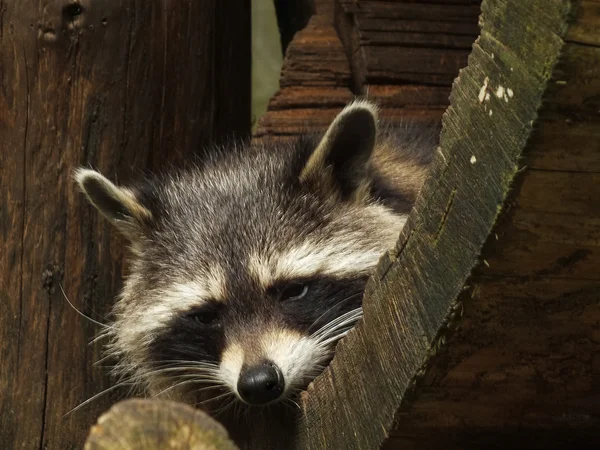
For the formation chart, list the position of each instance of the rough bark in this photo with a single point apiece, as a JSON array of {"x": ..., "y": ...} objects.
[{"x": 121, "y": 86}]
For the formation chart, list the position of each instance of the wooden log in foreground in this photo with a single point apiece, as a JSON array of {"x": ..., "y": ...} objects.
[
  {"x": 121, "y": 86},
  {"x": 157, "y": 425}
]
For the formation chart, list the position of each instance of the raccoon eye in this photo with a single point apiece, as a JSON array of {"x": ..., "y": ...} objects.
[
  {"x": 294, "y": 291},
  {"x": 205, "y": 316},
  {"x": 209, "y": 318}
]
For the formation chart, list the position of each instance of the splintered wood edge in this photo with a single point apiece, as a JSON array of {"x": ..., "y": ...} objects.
[
  {"x": 157, "y": 425},
  {"x": 413, "y": 299}
]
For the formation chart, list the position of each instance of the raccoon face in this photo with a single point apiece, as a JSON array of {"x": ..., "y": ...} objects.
[{"x": 248, "y": 270}]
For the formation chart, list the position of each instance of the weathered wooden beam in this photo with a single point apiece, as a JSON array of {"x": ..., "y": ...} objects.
[
  {"x": 523, "y": 366},
  {"x": 422, "y": 43},
  {"x": 115, "y": 85},
  {"x": 479, "y": 187},
  {"x": 157, "y": 425},
  {"x": 316, "y": 79}
]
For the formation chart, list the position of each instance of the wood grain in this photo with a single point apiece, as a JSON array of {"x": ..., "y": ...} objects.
[
  {"x": 521, "y": 369},
  {"x": 422, "y": 43},
  {"x": 157, "y": 425},
  {"x": 121, "y": 87}
]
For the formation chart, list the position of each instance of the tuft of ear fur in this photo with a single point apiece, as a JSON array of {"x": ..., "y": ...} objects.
[
  {"x": 117, "y": 204},
  {"x": 342, "y": 158}
]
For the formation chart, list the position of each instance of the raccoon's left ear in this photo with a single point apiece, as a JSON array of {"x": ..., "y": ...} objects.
[
  {"x": 343, "y": 155},
  {"x": 117, "y": 204}
]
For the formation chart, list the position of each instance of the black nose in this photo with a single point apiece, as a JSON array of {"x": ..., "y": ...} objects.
[{"x": 260, "y": 384}]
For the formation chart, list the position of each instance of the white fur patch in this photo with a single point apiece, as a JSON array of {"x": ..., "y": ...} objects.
[
  {"x": 360, "y": 104},
  {"x": 232, "y": 361},
  {"x": 123, "y": 196},
  {"x": 311, "y": 259},
  {"x": 296, "y": 355},
  {"x": 139, "y": 328},
  {"x": 339, "y": 256},
  {"x": 215, "y": 283}
]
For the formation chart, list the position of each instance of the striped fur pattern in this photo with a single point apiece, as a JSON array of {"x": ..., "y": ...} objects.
[{"x": 258, "y": 255}]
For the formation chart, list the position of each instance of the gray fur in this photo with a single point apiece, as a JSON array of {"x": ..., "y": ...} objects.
[{"x": 246, "y": 218}]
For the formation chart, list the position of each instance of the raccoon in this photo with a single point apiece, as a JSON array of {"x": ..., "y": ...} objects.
[{"x": 246, "y": 270}]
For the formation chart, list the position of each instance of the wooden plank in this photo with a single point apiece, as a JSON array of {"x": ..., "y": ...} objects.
[
  {"x": 91, "y": 83},
  {"x": 545, "y": 244},
  {"x": 552, "y": 191},
  {"x": 292, "y": 17},
  {"x": 314, "y": 75},
  {"x": 553, "y": 402},
  {"x": 408, "y": 96},
  {"x": 585, "y": 27},
  {"x": 566, "y": 145},
  {"x": 293, "y": 122},
  {"x": 530, "y": 322},
  {"x": 310, "y": 97},
  {"x": 414, "y": 39},
  {"x": 468, "y": 28},
  {"x": 575, "y": 95},
  {"x": 390, "y": 63},
  {"x": 406, "y": 42},
  {"x": 411, "y": 302},
  {"x": 568, "y": 136},
  {"x": 315, "y": 58},
  {"x": 414, "y": 11}
]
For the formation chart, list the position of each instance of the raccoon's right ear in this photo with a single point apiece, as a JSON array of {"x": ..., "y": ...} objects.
[
  {"x": 342, "y": 158},
  {"x": 117, "y": 204}
]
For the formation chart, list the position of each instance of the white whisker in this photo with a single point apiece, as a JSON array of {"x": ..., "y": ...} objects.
[
  {"x": 350, "y": 297},
  {"x": 79, "y": 312},
  {"x": 343, "y": 320},
  {"x": 94, "y": 397},
  {"x": 185, "y": 382},
  {"x": 226, "y": 394},
  {"x": 226, "y": 407}
]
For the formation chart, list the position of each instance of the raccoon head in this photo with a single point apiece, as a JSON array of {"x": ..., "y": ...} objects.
[{"x": 246, "y": 271}]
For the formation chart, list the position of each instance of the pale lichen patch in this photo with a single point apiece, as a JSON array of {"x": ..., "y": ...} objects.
[
  {"x": 439, "y": 150},
  {"x": 473, "y": 159},
  {"x": 490, "y": 113},
  {"x": 500, "y": 92},
  {"x": 483, "y": 90},
  {"x": 510, "y": 92}
]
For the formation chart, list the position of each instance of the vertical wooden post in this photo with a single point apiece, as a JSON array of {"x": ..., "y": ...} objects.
[{"x": 120, "y": 86}]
